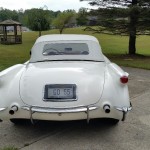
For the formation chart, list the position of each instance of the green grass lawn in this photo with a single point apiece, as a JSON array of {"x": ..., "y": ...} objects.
[
  {"x": 115, "y": 47},
  {"x": 9, "y": 148}
]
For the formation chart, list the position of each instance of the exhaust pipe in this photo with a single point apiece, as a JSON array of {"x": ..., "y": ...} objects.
[
  {"x": 106, "y": 108},
  {"x": 13, "y": 110}
]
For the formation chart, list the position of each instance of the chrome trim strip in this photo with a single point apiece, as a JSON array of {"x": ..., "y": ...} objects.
[
  {"x": 2, "y": 109},
  {"x": 59, "y": 110}
]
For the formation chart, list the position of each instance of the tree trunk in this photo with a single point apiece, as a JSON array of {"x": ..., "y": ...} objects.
[
  {"x": 132, "y": 36},
  {"x": 61, "y": 30},
  {"x": 132, "y": 33},
  {"x": 134, "y": 14},
  {"x": 39, "y": 26},
  {"x": 40, "y": 33},
  {"x": 132, "y": 44}
]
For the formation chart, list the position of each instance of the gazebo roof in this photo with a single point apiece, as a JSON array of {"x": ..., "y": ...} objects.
[{"x": 10, "y": 22}]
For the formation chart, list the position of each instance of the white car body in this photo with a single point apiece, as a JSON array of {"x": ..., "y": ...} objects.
[{"x": 87, "y": 84}]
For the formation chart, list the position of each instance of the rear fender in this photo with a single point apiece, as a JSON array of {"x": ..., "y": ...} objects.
[
  {"x": 7, "y": 75},
  {"x": 9, "y": 85},
  {"x": 117, "y": 70},
  {"x": 115, "y": 93}
]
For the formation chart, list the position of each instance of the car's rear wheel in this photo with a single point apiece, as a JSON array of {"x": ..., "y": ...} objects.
[
  {"x": 20, "y": 121},
  {"x": 113, "y": 121}
]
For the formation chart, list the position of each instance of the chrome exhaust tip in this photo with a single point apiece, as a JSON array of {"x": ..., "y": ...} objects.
[
  {"x": 13, "y": 110},
  {"x": 106, "y": 108}
]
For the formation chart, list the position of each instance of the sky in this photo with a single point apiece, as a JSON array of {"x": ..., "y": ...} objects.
[{"x": 51, "y": 4}]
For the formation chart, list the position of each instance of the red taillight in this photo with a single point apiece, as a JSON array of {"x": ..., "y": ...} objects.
[{"x": 124, "y": 79}]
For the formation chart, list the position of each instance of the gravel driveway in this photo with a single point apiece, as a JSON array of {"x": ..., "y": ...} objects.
[{"x": 133, "y": 134}]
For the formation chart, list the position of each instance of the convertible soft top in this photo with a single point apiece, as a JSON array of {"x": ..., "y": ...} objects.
[
  {"x": 66, "y": 47},
  {"x": 65, "y": 37}
]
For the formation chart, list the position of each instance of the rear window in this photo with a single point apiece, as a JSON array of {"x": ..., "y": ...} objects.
[{"x": 65, "y": 49}]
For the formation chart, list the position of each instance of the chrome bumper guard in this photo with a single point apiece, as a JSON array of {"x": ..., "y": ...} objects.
[
  {"x": 124, "y": 110},
  {"x": 33, "y": 109},
  {"x": 2, "y": 109}
]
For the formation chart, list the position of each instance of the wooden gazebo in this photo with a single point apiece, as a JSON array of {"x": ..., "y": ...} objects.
[{"x": 11, "y": 32}]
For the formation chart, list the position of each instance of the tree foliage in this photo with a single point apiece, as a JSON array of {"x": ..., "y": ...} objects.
[
  {"x": 82, "y": 17},
  {"x": 134, "y": 21},
  {"x": 118, "y": 3},
  {"x": 8, "y": 14},
  {"x": 64, "y": 19},
  {"x": 30, "y": 17},
  {"x": 37, "y": 19}
]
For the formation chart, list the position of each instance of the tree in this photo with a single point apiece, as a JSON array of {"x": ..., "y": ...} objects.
[
  {"x": 64, "y": 19},
  {"x": 8, "y": 14},
  {"x": 137, "y": 18},
  {"x": 82, "y": 17},
  {"x": 37, "y": 19}
]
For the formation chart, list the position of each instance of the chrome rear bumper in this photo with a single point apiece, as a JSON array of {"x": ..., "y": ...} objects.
[
  {"x": 33, "y": 109},
  {"x": 59, "y": 111}
]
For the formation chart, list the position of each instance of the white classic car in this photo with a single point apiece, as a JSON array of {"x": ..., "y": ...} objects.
[{"x": 66, "y": 78}]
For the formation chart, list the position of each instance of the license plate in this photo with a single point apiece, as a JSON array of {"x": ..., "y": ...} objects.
[{"x": 60, "y": 92}]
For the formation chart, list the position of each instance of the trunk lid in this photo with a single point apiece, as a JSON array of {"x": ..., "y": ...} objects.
[{"x": 87, "y": 76}]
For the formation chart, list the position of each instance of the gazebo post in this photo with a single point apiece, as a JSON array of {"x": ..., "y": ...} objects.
[
  {"x": 5, "y": 35},
  {"x": 15, "y": 33},
  {"x": 21, "y": 32}
]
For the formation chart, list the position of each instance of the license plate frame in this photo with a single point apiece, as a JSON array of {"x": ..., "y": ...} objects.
[{"x": 49, "y": 88}]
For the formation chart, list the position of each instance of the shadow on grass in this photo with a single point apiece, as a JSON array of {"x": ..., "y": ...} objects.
[
  {"x": 136, "y": 61},
  {"x": 125, "y": 56}
]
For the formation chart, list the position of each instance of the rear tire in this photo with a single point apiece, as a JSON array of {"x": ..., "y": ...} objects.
[
  {"x": 113, "y": 121},
  {"x": 20, "y": 121}
]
